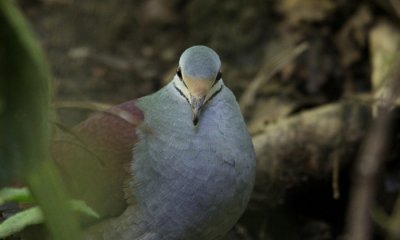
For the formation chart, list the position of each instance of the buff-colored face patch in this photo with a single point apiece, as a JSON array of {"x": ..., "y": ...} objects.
[{"x": 197, "y": 87}]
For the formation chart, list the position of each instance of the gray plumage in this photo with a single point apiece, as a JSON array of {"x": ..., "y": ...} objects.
[
  {"x": 200, "y": 61},
  {"x": 189, "y": 182}
]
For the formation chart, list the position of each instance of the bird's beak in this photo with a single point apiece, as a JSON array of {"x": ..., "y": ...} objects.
[
  {"x": 198, "y": 89},
  {"x": 197, "y": 105}
]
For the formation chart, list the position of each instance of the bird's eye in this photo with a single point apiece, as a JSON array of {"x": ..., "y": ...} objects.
[
  {"x": 179, "y": 73},
  {"x": 219, "y": 76}
]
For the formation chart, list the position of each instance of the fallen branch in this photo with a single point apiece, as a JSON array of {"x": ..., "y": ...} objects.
[{"x": 304, "y": 146}]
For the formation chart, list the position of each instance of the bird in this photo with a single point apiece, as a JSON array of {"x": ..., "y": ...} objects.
[{"x": 179, "y": 164}]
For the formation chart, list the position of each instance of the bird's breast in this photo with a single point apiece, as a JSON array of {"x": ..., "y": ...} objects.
[{"x": 190, "y": 181}]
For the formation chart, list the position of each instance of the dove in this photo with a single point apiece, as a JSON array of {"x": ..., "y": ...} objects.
[{"x": 178, "y": 165}]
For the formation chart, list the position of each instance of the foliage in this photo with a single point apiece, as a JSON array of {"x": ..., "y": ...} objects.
[
  {"x": 24, "y": 122},
  {"x": 30, "y": 216},
  {"x": 20, "y": 195}
]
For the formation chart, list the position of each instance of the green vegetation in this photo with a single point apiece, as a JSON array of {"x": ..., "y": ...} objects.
[{"x": 25, "y": 125}]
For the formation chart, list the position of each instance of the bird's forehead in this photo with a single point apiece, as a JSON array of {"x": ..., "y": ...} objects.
[{"x": 200, "y": 62}]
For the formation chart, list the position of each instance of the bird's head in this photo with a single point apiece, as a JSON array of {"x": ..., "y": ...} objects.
[{"x": 198, "y": 76}]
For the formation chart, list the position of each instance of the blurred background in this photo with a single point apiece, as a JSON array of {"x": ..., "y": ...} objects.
[
  {"x": 306, "y": 74},
  {"x": 111, "y": 51}
]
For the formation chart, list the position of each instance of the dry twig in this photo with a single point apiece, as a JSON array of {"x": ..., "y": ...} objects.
[
  {"x": 369, "y": 165},
  {"x": 272, "y": 64}
]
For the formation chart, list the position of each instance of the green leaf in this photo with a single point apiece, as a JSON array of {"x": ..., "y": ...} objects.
[
  {"x": 82, "y": 207},
  {"x": 34, "y": 215},
  {"x": 25, "y": 93},
  {"x": 20, "y": 195},
  {"x": 19, "y": 221}
]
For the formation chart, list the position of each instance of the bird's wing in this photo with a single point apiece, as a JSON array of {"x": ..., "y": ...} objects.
[{"x": 94, "y": 158}]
